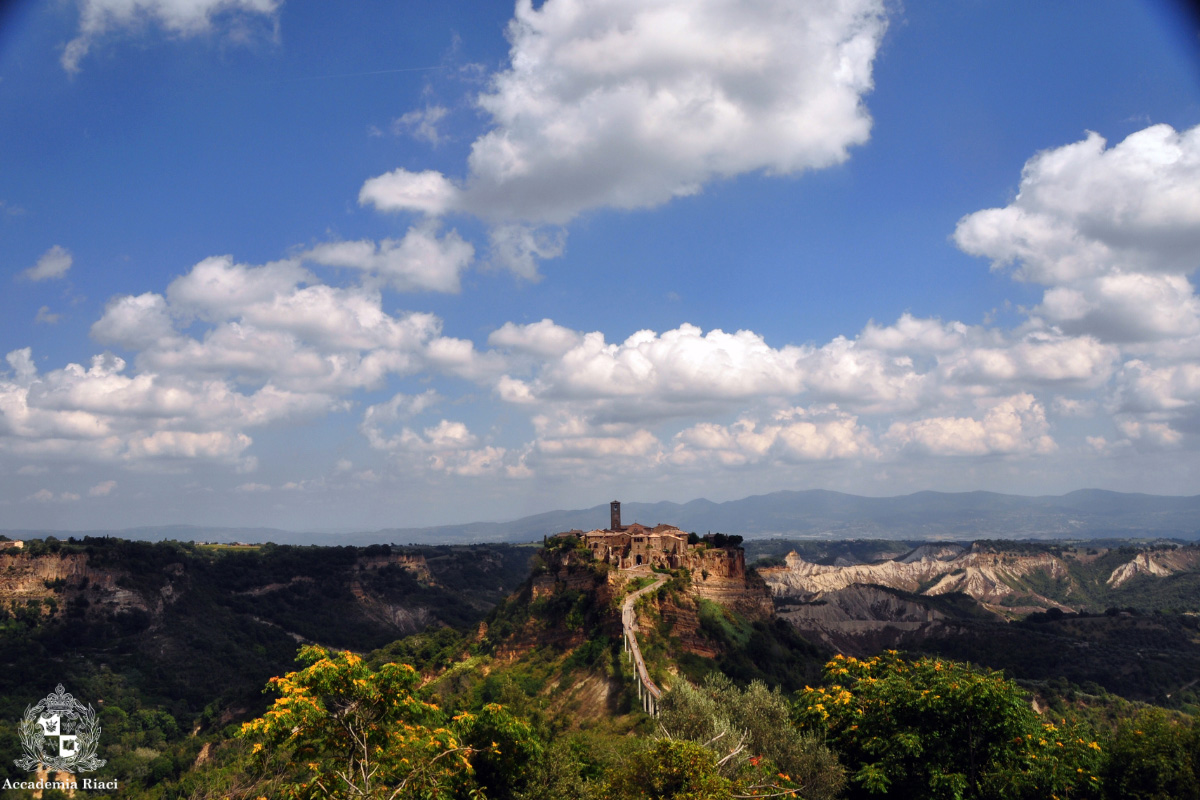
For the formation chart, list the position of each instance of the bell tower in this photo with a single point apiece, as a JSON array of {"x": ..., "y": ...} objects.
[{"x": 614, "y": 513}]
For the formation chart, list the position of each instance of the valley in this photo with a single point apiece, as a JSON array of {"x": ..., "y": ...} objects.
[{"x": 590, "y": 636}]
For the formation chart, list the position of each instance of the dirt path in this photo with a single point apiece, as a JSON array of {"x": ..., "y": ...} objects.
[{"x": 648, "y": 693}]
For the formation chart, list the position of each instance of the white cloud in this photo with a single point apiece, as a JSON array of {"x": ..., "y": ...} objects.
[
  {"x": 564, "y": 435},
  {"x": 1013, "y": 425},
  {"x": 627, "y": 105},
  {"x": 400, "y": 407},
  {"x": 912, "y": 335},
  {"x": 253, "y": 488},
  {"x": 448, "y": 447},
  {"x": 915, "y": 366},
  {"x": 135, "y": 323},
  {"x": 544, "y": 338},
  {"x": 45, "y": 316},
  {"x": 263, "y": 345},
  {"x": 1145, "y": 388},
  {"x": 520, "y": 247},
  {"x": 616, "y": 104},
  {"x": 217, "y": 288},
  {"x": 1112, "y": 232},
  {"x": 100, "y": 413},
  {"x": 845, "y": 372},
  {"x": 1038, "y": 357},
  {"x": 684, "y": 364},
  {"x": 794, "y": 435},
  {"x": 102, "y": 489},
  {"x": 215, "y": 445},
  {"x": 419, "y": 261},
  {"x": 427, "y": 192},
  {"x": 1126, "y": 307},
  {"x": 53, "y": 263},
  {"x": 177, "y": 17},
  {"x": 422, "y": 124},
  {"x": 1149, "y": 435}
]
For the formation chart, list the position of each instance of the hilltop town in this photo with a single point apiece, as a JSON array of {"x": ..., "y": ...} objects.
[{"x": 666, "y": 547}]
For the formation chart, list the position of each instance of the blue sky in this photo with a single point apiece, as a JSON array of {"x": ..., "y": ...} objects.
[{"x": 267, "y": 262}]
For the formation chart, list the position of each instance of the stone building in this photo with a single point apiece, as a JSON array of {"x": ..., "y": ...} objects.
[{"x": 663, "y": 546}]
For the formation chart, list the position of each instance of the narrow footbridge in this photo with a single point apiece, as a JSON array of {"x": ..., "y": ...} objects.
[{"x": 648, "y": 692}]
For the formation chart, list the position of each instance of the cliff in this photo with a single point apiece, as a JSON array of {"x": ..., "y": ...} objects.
[
  {"x": 1007, "y": 581},
  {"x": 88, "y": 586}
]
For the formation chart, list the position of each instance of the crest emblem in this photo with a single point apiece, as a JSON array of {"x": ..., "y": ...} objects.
[{"x": 60, "y": 734}]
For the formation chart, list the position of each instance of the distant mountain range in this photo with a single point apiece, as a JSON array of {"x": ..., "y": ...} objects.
[{"x": 1088, "y": 513}]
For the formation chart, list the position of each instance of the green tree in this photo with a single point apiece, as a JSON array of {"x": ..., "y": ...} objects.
[
  {"x": 939, "y": 729},
  {"x": 1154, "y": 756},
  {"x": 506, "y": 751},
  {"x": 341, "y": 730},
  {"x": 669, "y": 769},
  {"x": 752, "y": 737}
]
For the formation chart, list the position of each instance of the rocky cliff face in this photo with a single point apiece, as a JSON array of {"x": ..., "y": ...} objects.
[
  {"x": 747, "y": 594},
  {"x": 989, "y": 577},
  {"x": 72, "y": 579},
  {"x": 1008, "y": 582},
  {"x": 62, "y": 577},
  {"x": 1158, "y": 564}
]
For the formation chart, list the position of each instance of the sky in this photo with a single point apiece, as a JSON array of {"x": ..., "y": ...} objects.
[{"x": 369, "y": 265}]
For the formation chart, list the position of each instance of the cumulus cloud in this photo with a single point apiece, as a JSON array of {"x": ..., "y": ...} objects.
[
  {"x": 270, "y": 323},
  {"x": 400, "y": 407},
  {"x": 178, "y": 17},
  {"x": 1038, "y": 357},
  {"x": 1113, "y": 232},
  {"x": 1149, "y": 435},
  {"x": 544, "y": 338},
  {"x": 911, "y": 334},
  {"x": 448, "y": 447},
  {"x": 427, "y": 192},
  {"x": 894, "y": 369},
  {"x": 683, "y": 364},
  {"x": 613, "y": 104},
  {"x": 1126, "y": 307},
  {"x": 53, "y": 263},
  {"x": 275, "y": 346},
  {"x": 100, "y": 413},
  {"x": 793, "y": 435},
  {"x": 419, "y": 261},
  {"x": 564, "y": 435},
  {"x": 1145, "y": 388},
  {"x": 1013, "y": 425},
  {"x": 135, "y": 322}
]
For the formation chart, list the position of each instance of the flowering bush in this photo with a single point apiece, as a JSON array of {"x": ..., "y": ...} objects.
[{"x": 933, "y": 728}]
